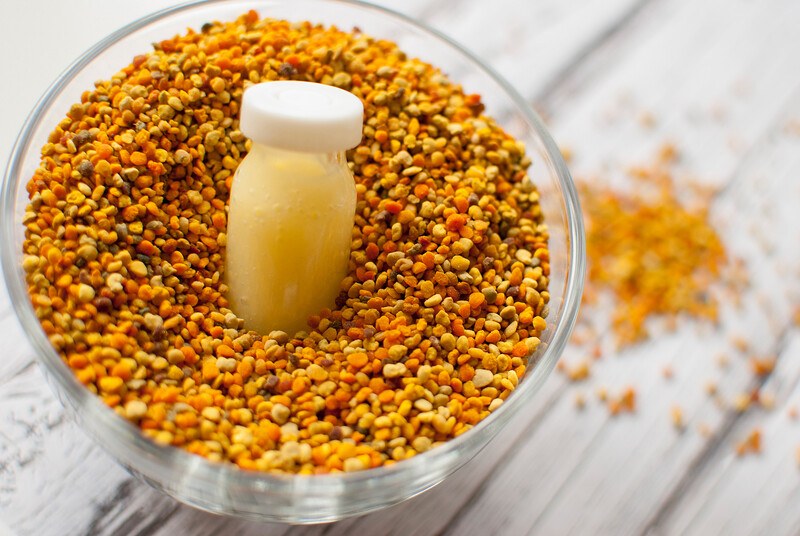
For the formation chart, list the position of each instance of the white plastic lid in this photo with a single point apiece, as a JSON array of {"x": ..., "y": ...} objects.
[{"x": 301, "y": 116}]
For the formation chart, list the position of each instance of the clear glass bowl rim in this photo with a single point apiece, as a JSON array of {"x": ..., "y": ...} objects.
[{"x": 78, "y": 396}]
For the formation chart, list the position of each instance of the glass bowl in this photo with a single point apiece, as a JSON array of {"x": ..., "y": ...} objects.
[{"x": 225, "y": 489}]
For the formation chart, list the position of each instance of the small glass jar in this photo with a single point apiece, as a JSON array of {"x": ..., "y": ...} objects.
[{"x": 292, "y": 204}]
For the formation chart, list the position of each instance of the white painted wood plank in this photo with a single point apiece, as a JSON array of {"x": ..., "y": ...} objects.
[
  {"x": 5, "y": 302},
  {"x": 46, "y": 460},
  {"x": 143, "y": 510},
  {"x": 528, "y": 43},
  {"x": 15, "y": 350},
  {"x": 712, "y": 95},
  {"x": 612, "y": 476},
  {"x": 648, "y": 475},
  {"x": 753, "y": 494}
]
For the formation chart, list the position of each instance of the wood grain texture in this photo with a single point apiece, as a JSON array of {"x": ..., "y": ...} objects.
[
  {"x": 602, "y": 475},
  {"x": 719, "y": 79},
  {"x": 755, "y": 495}
]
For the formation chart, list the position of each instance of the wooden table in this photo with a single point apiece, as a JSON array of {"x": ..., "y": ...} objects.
[{"x": 614, "y": 79}]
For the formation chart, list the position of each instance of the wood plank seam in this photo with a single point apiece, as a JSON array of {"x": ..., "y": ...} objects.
[
  {"x": 433, "y": 9},
  {"x": 120, "y": 493},
  {"x": 776, "y": 124},
  {"x": 24, "y": 368},
  {"x": 721, "y": 439},
  {"x": 603, "y": 46},
  {"x": 159, "y": 519},
  {"x": 580, "y": 61}
]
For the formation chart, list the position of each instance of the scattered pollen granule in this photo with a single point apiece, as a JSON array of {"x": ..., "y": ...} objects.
[
  {"x": 762, "y": 366},
  {"x": 625, "y": 402},
  {"x": 676, "y": 415},
  {"x": 751, "y": 444},
  {"x": 578, "y": 372},
  {"x": 580, "y": 401}
]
